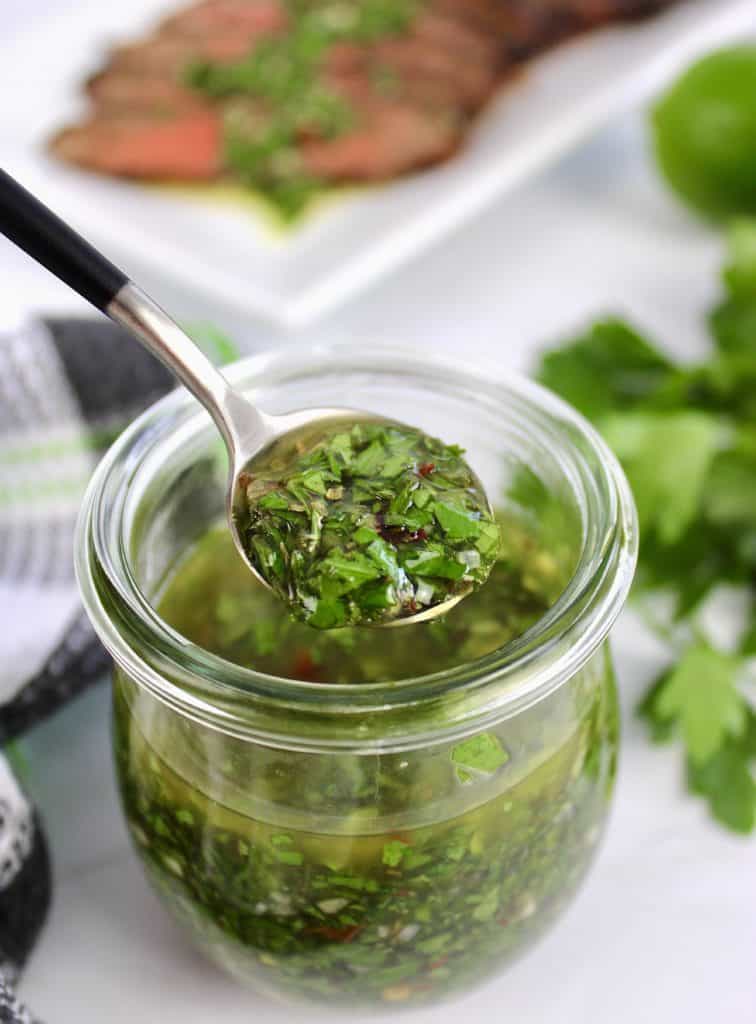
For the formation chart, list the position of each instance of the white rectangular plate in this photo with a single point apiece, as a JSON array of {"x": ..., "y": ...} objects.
[{"x": 230, "y": 251}]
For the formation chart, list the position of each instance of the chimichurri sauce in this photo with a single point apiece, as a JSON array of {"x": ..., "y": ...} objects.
[
  {"x": 365, "y": 523},
  {"x": 389, "y": 879}
]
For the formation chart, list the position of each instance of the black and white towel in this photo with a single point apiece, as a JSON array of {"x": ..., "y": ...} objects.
[{"x": 67, "y": 389}]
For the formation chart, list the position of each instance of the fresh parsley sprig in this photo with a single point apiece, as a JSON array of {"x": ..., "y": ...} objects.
[{"x": 686, "y": 436}]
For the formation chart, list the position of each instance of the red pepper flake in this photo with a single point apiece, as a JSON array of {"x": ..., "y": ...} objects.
[
  {"x": 304, "y": 667},
  {"x": 441, "y": 962},
  {"x": 402, "y": 536},
  {"x": 401, "y": 837},
  {"x": 503, "y": 921},
  {"x": 337, "y": 934},
  {"x": 398, "y": 534},
  {"x": 403, "y": 893},
  {"x": 427, "y": 468}
]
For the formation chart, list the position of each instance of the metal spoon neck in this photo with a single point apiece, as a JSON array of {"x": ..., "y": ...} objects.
[
  {"x": 242, "y": 426},
  {"x": 245, "y": 428}
]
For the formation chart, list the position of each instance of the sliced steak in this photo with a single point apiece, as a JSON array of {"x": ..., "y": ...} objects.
[
  {"x": 186, "y": 148},
  {"x": 460, "y": 37},
  {"x": 390, "y": 141},
  {"x": 485, "y": 17},
  {"x": 524, "y": 28},
  {"x": 167, "y": 56},
  {"x": 114, "y": 91},
  {"x": 250, "y": 17},
  {"x": 367, "y": 86},
  {"x": 413, "y": 94},
  {"x": 592, "y": 12},
  {"x": 406, "y": 58}
]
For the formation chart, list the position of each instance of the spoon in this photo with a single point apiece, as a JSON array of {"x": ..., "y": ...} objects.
[{"x": 246, "y": 430}]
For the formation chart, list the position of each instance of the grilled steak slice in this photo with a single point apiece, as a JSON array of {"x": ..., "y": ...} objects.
[
  {"x": 526, "y": 27},
  {"x": 391, "y": 140},
  {"x": 249, "y": 17},
  {"x": 118, "y": 92},
  {"x": 183, "y": 148},
  {"x": 490, "y": 18},
  {"x": 407, "y": 58},
  {"x": 458, "y": 36},
  {"x": 379, "y": 82},
  {"x": 168, "y": 56},
  {"x": 593, "y": 12}
]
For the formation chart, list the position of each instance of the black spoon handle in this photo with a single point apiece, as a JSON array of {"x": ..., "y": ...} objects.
[{"x": 50, "y": 241}]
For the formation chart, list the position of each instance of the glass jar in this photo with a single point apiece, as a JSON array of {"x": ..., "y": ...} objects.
[{"x": 381, "y": 842}]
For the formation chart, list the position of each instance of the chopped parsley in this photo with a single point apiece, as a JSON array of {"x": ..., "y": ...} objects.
[
  {"x": 351, "y": 917},
  {"x": 481, "y": 754},
  {"x": 367, "y": 524},
  {"x": 277, "y": 93}
]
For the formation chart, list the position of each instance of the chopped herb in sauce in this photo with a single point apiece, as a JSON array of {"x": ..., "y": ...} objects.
[
  {"x": 367, "y": 524},
  {"x": 380, "y": 879}
]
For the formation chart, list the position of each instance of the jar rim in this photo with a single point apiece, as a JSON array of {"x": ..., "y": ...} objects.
[{"x": 206, "y": 686}]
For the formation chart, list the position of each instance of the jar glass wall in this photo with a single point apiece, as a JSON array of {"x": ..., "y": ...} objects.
[{"x": 392, "y": 819}]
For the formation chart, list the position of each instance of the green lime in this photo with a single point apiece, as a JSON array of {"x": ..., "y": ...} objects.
[{"x": 704, "y": 133}]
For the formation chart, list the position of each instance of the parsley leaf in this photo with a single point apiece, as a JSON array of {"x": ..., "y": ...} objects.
[
  {"x": 350, "y": 570},
  {"x": 610, "y": 367},
  {"x": 726, "y": 781},
  {"x": 740, "y": 273},
  {"x": 700, "y": 693},
  {"x": 370, "y": 460},
  {"x": 393, "y": 852},
  {"x": 456, "y": 522},
  {"x": 667, "y": 458},
  {"x": 733, "y": 324},
  {"x": 730, "y": 498},
  {"x": 686, "y": 437},
  {"x": 660, "y": 729},
  {"x": 482, "y": 754},
  {"x": 434, "y": 563}
]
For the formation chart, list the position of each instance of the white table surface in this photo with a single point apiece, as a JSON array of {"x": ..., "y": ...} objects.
[{"x": 665, "y": 928}]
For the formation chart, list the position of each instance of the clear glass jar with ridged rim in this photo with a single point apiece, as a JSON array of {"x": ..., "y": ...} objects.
[{"x": 392, "y": 839}]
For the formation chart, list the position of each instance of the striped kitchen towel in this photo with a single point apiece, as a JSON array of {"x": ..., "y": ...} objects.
[{"x": 67, "y": 389}]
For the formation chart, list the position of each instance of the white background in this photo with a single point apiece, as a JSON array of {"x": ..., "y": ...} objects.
[{"x": 665, "y": 928}]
